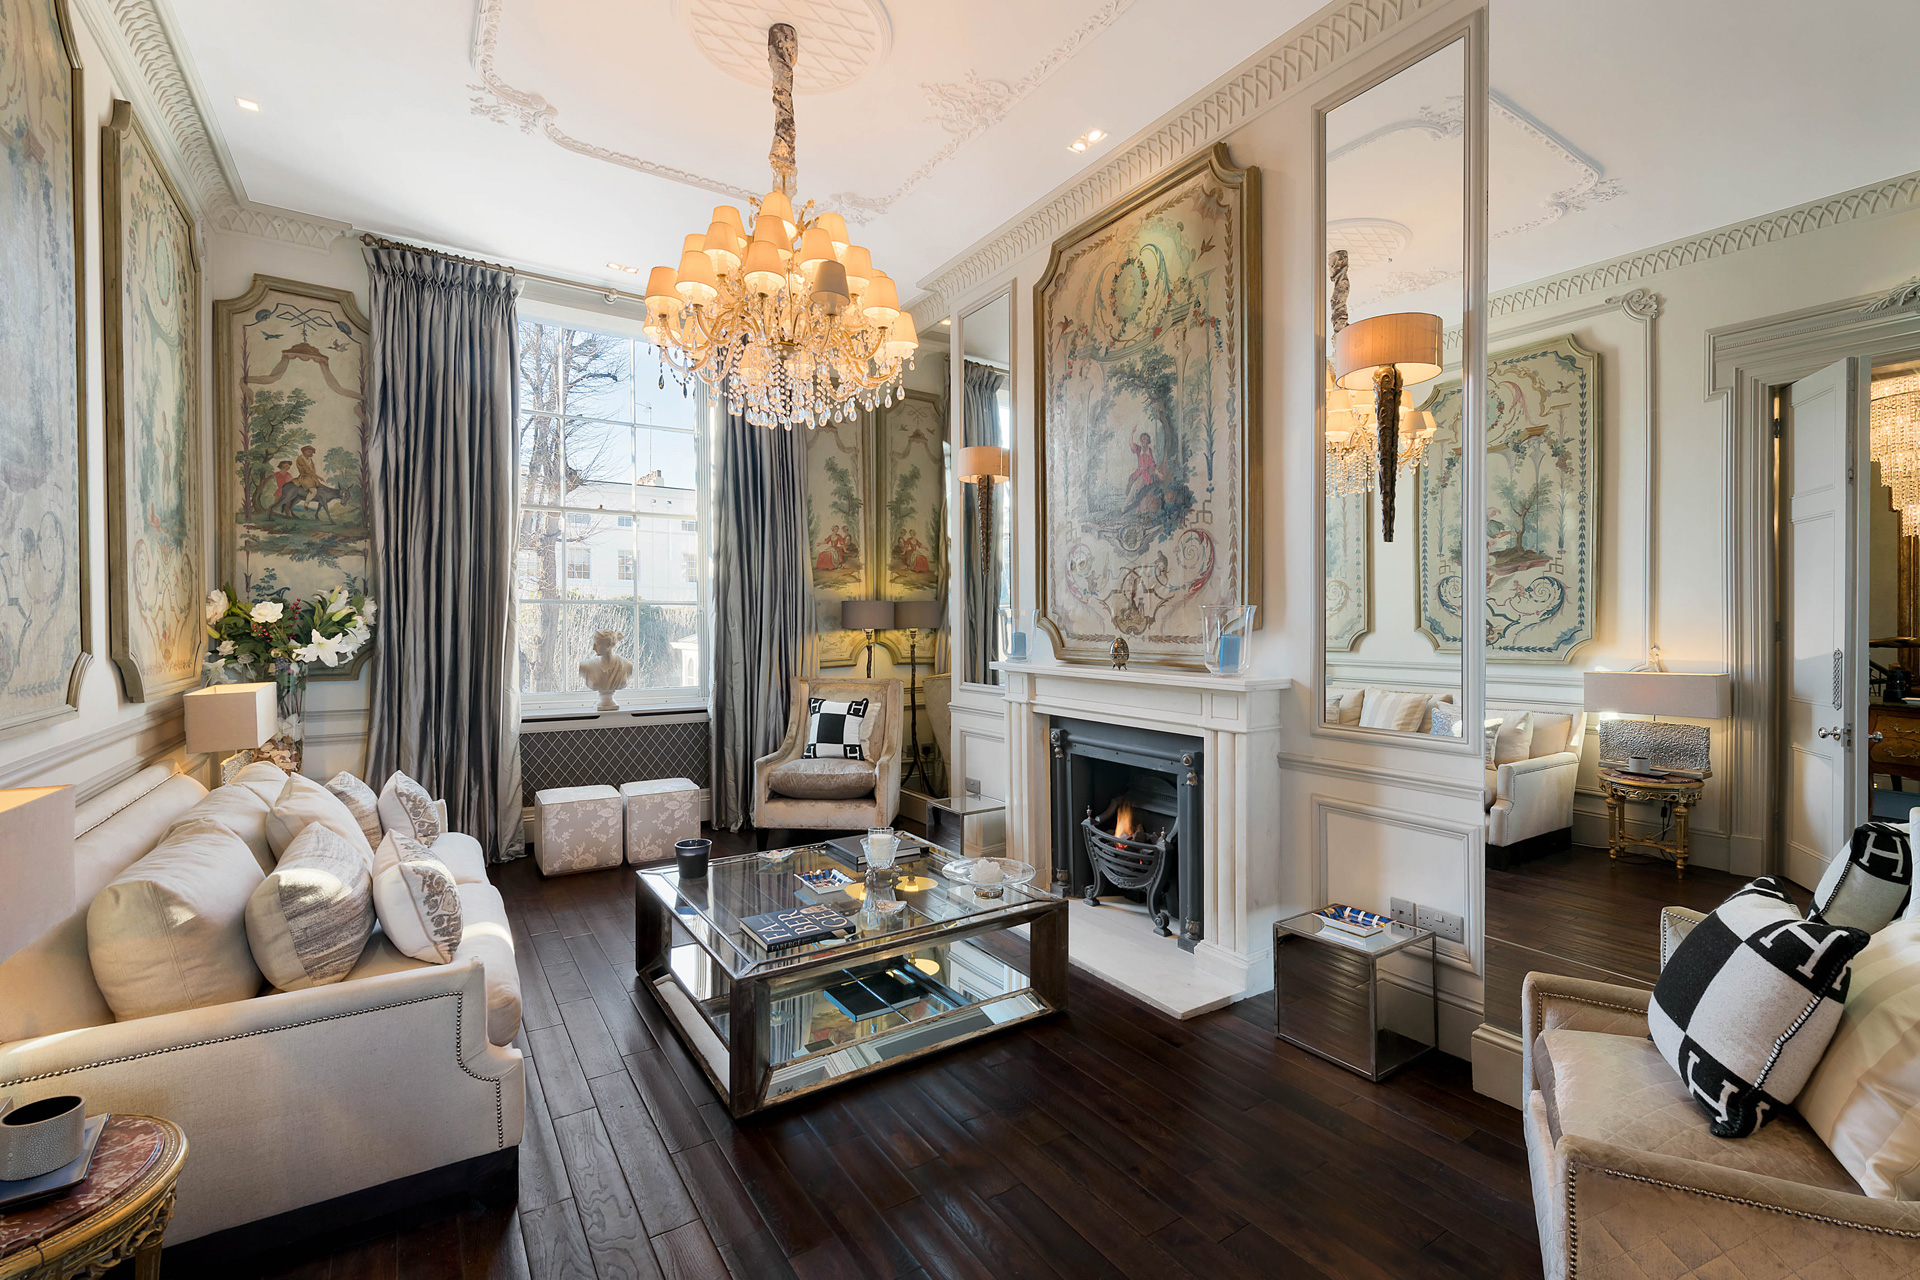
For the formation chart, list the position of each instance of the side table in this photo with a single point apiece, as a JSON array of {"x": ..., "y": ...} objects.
[
  {"x": 1326, "y": 994},
  {"x": 1675, "y": 793},
  {"x": 119, "y": 1213}
]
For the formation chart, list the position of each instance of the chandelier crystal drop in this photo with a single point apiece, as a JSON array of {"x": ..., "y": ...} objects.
[
  {"x": 791, "y": 322},
  {"x": 1893, "y": 441},
  {"x": 1353, "y": 439}
]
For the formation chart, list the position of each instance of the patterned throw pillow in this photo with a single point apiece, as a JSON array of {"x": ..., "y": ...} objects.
[
  {"x": 1490, "y": 737},
  {"x": 836, "y": 730},
  {"x": 361, "y": 802},
  {"x": 1446, "y": 720},
  {"x": 406, "y": 807},
  {"x": 309, "y": 920},
  {"x": 1748, "y": 1002},
  {"x": 417, "y": 900},
  {"x": 1867, "y": 883}
]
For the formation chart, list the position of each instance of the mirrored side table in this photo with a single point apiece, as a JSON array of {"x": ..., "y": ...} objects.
[{"x": 1326, "y": 994}]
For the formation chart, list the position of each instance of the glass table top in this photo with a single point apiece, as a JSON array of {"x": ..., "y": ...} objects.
[
  {"x": 1386, "y": 942},
  {"x": 749, "y": 884}
]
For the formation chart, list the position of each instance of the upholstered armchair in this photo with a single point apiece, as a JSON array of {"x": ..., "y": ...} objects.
[
  {"x": 1628, "y": 1183},
  {"x": 792, "y": 793}
]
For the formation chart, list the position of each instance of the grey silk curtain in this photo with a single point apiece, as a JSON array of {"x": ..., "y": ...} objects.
[
  {"x": 980, "y": 424},
  {"x": 762, "y": 602},
  {"x": 443, "y": 395}
]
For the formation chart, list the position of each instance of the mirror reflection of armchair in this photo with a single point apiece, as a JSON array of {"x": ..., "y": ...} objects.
[{"x": 794, "y": 793}]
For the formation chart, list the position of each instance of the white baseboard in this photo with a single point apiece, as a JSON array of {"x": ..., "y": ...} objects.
[{"x": 1496, "y": 1057}]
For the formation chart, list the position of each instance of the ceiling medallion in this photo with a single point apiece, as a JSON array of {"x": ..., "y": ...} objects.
[
  {"x": 845, "y": 38},
  {"x": 794, "y": 325}
]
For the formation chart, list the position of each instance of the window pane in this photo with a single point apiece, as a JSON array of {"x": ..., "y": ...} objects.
[
  {"x": 539, "y": 458},
  {"x": 670, "y": 406},
  {"x": 601, "y": 376},
  {"x": 666, "y": 458},
  {"x": 599, "y": 464},
  {"x": 665, "y": 649},
  {"x": 541, "y": 539},
  {"x": 669, "y": 561},
  {"x": 555, "y": 638}
]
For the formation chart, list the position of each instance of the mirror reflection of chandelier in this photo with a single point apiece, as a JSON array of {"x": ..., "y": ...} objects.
[
  {"x": 792, "y": 324},
  {"x": 1353, "y": 439},
  {"x": 1893, "y": 441}
]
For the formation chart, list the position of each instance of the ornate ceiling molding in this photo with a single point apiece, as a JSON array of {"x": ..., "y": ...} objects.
[
  {"x": 844, "y": 39},
  {"x": 150, "y": 66},
  {"x": 1285, "y": 65}
]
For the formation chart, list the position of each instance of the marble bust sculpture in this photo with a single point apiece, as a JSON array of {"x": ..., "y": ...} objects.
[{"x": 604, "y": 671}]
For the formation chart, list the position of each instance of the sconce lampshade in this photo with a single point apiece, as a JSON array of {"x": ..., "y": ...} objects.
[
  {"x": 977, "y": 460},
  {"x": 1409, "y": 340},
  {"x": 866, "y": 615},
  {"x": 1689, "y": 695},
  {"x": 917, "y": 615},
  {"x": 230, "y": 717}
]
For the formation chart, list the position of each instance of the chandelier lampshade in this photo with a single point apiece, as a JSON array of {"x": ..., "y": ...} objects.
[
  {"x": 1893, "y": 441},
  {"x": 793, "y": 323}
]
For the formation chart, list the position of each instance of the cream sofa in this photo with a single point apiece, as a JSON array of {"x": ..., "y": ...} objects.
[
  {"x": 791, "y": 793},
  {"x": 1532, "y": 799},
  {"x": 1627, "y": 1182},
  {"x": 289, "y": 1099}
]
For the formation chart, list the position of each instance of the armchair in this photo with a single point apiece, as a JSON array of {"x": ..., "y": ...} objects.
[
  {"x": 1530, "y": 802},
  {"x": 832, "y": 795}
]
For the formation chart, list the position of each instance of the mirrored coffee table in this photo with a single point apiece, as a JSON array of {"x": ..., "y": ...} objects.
[{"x": 769, "y": 1026}]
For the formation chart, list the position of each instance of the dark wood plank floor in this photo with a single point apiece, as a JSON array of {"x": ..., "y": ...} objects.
[{"x": 1108, "y": 1142}]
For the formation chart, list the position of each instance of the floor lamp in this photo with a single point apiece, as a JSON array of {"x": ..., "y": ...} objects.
[
  {"x": 868, "y": 616},
  {"x": 913, "y": 617}
]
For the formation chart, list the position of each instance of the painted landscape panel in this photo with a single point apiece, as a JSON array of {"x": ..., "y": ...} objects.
[
  {"x": 913, "y": 515},
  {"x": 837, "y": 534}
]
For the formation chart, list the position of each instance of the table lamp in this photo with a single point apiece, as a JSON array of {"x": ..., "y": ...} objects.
[
  {"x": 36, "y": 830},
  {"x": 231, "y": 717},
  {"x": 913, "y": 617},
  {"x": 1388, "y": 353},
  {"x": 868, "y": 616},
  {"x": 1696, "y": 695},
  {"x": 980, "y": 465}
]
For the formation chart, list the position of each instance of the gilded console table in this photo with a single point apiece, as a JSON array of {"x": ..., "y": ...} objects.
[
  {"x": 1675, "y": 793},
  {"x": 119, "y": 1214}
]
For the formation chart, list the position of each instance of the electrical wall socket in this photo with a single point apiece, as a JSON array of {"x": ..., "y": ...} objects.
[
  {"x": 1403, "y": 911},
  {"x": 1445, "y": 923}
]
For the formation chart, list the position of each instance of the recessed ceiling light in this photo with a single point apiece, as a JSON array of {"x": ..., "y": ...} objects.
[
  {"x": 1078, "y": 144},
  {"x": 632, "y": 271},
  {"x": 616, "y": 266},
  {"x": 246, "y": 104},
  {"x": 1086, "y": 139},
  {"x": 947, "y": 320}
]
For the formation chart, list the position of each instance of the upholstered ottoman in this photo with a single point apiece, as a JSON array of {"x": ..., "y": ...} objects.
[
  {"x": 577, "y": 829},
  {"x": 658, "y": 813}
]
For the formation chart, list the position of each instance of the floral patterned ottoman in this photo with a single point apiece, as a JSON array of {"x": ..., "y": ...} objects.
[
  {"x": 659, "y": 813},
  {"x": 577, "y": 829}
]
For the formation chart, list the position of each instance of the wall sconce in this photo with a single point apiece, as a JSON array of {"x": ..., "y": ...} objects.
[
  {"x": 980, "y": 465},
  {"x": 868, "y": 616},
  {"x": 1387, "y": 353}
]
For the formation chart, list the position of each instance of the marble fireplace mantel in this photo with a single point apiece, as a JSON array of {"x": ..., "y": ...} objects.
[{"x": 1237, "y": 719}]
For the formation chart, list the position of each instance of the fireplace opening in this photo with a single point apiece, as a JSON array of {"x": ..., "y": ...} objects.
[{"x": 1127, "y": 823}]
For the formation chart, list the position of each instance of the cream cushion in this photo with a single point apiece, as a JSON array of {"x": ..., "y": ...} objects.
[
  {"x": 417, "y": 901},
  {"x": 170, "y": 932},
  {"x": 241, "y": 810},
  {"x": 460, "y": 852},
  {"x": 1343, "y": 706},
  {"x": 822, "y": 779},
  {"x": 263, "y": 779},
  {"x": 1864, "y": 1097},
  {"x": 361, "y": 802},
  {"x": 485, "y": 935},
  {"x": 309, "y": 919},
  {"x": 1515, "y": 742},
  {"x": 1395, "y": 709},
  {"x": 1552, "y": 731},
  {"x": 406, "y": 807},
  {"x": 302, "y": 802}
]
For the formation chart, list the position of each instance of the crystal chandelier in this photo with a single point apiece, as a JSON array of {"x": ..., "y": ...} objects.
[
  {"x": 1893, "y": 441},
  {"x": 1353, "y": 439},
  {"x": 792, "y": 324}
]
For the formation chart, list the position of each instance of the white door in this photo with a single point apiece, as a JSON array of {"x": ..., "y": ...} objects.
[{"x": 1819, "y": 440}]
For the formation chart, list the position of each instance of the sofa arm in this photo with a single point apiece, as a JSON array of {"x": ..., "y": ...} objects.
[
  {"x": 1675, "y": 924},
  {"x": 1551, "y": 1000},
  {"x": 1617, "y": 1204},
  {"x": 296, "y": 1097}
]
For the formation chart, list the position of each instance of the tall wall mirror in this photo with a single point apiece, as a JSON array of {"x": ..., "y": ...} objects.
[
  {"x": 1396, "y": 286},
  {"x": 982, "y": 469}
]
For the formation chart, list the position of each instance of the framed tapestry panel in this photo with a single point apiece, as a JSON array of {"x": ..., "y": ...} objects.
[
  {"x": 910, "y": 449},
  {"x": 44, "y": 624},
  {"x": 839, "y": 532},
  {"x": 151, "y": 282},
  {"x": 1148, "y": 360},
  {"x": 288, "y": 371},
  {"x": 1543, "y": 480},
  {"x": 1349, "y": 551}
]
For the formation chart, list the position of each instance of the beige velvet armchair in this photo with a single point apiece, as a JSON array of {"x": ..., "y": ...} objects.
[
  {"x": 792, "y": 793},
  {"x": 1627, "y": 1182}
]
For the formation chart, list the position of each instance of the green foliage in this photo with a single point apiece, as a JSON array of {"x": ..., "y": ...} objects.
[
  {"x": 901, "y": 507},
  {"x": 342, "y": 467},
  {"x": 273, "y": 433},
  {"x": 847, "y": 503}
]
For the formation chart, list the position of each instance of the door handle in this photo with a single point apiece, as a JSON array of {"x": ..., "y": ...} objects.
[
  {"x": 1833, "y": 733},
  {"x": 1876, "y": 737}
]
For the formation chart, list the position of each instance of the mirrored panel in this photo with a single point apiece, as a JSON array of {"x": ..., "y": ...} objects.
[
  {"x": 1394, "y": 184},
  {"x": 983, "y": 468}
]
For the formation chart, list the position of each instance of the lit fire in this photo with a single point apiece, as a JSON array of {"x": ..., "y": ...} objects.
[{"x": 1123, "y": 821}]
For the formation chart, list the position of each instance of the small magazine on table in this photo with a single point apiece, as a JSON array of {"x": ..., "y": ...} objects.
[
  {"x": 1354, "y": 920},
  {"x": 797, "y": 926}
]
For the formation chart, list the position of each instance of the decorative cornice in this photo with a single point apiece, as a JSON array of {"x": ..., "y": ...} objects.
[
  {"x": 152, "y": 68},
  {"x": 1248, "y": 92},
  {"x": 1905, "y": 295}
]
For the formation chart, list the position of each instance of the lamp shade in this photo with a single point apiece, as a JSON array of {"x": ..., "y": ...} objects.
[
  {"x": 830, "y": 288},
  {"x": 1409, "y": 340},
  {"x": 918, "y": 615},
  {"x": 978, "y": 460},
  {"x": 836, "y": 228},
  {"x": 859, "y": 265},
  {"x": 1690, "y": 695},
  {"x": 866, "y": 615},
  {"x": 230, "y": 717},
  {"x": 36, "y": 863}
]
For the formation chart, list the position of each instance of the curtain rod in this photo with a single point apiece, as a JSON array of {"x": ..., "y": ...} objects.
[{"x": 605, "y": 291}]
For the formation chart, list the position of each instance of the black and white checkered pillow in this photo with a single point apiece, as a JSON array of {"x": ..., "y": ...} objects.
[
  {"x": 1744, "y": 1009},
  {"x": 836, "y": 730},
  {"x": 1867, "y": 883}
]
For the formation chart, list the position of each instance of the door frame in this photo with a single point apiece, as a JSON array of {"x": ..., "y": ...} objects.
[{"x": 1745, "y": 364}]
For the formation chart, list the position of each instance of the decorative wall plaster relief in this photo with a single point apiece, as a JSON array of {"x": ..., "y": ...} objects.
[
  {"x": 1903, "y": 296},
  {"x": 843, "y": 39}
]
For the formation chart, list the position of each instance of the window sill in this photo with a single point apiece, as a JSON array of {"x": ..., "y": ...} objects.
[{"x": 564, "y": 719}]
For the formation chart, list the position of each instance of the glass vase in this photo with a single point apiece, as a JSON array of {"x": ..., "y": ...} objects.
[
  {"x": 1016, "y": 634},
  {"x": 1229, "y": 637},
  {"x": 290, "y": 695}
]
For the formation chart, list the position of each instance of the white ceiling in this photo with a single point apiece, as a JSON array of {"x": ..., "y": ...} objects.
[{"x": 538, "y": 130}]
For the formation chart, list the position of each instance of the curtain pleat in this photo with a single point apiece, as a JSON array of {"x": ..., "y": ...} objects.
[
  {"x": 762, "y": 599},
  {"x": 980, "y": 424},
  {"x": 444, "y": 391}
]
